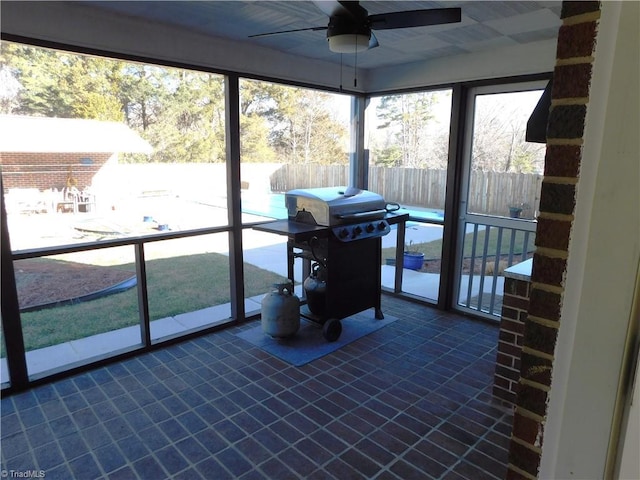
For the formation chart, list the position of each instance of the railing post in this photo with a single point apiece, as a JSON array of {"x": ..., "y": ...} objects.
[{"x": 143, "y": 295}]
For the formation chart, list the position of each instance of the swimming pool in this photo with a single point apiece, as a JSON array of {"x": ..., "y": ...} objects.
[{"x": 272, "y": 205}]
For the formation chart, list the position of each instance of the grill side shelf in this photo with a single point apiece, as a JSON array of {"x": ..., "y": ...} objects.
[{"x": 295, "y": 231}]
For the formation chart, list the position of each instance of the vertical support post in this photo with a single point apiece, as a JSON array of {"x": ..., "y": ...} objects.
[
  {"x": 452, "y": 206},
  {"x": 143, "y": 295},
  {"x": 358, "y": 167},
  {"x": 10, "y": 308},
  {"x": 234, "y": 203},
  {"x": 400, "y": 239}
]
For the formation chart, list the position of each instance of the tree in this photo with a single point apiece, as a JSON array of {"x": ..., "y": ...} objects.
[
  {"x": 141, "y": 94},
  {"x": 499, "y": 129},
  {"x": 256, "y": 108},
  {"x": 9, "y": 90},
  {"x": 308, "y": 134},
  {"x": 409, "y": 130},
  {"x": 59, "y": 84},
  {"x": 180, "y": 112},
  {"x": 184, "y": 120},
  {"x": 296, "y": 123}
]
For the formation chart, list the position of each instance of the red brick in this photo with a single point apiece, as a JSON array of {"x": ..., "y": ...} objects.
[
  {"x": 524, "y": 458},
  {"x": 540, "y": 337},
  {"x": 545, "y": 304},
  {"x": 504, "y": 394},
  {"x": 532, "y": 399},
  {"x": 516, "y": 302},
  {"x": 576, "y": 40},
  {"x": 557, "y": 198},
  {"x": 571, "y": 9},
  {"x": 49, "y": 170},
  {"x": 566, "y": 121},
  {"x": 504, "y": 383},
  {"x": 513, "y": 475},
  {"x": 505, "y": 360},
  {"x": 508, "y": 373},
  {"x": 548, "y": 270},
  {"x": 571, "y": 81},
  {"x": 522, "y": 288},
  {"x": 523, "y": 317},
  {"x": 553, "y": 234},
  {"x": 512, "y": 350},
  {"x": 510, "y": 286},
  {"x": 507, "y": 337},
  {"x": 514, "y": 327},
  {"x": 562, "y": 160},
  {"x": 509, "y": 312},
  {"x": 536, "y": 369},
  {"x": 525, "y": 428}
]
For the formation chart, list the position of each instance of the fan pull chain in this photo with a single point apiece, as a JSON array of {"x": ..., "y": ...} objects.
[
  {"x": 355, "y": 67},
  {"x": 340, "y": 73}
]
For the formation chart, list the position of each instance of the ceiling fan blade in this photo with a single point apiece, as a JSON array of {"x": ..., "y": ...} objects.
[
  {"x": 415, "y": 18},
  {"x": 331, "y": 7},
  {"x": 354, "y": 9},
  {"x": 373, "y": 42},
  {"x": 312, "y": 29}
]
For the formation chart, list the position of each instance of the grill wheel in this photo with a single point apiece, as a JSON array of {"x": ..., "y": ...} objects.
[{"x": 331, "y": 330}]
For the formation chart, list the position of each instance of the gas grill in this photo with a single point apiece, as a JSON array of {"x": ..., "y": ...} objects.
[
  {"x": 352, "y": 214},
  {"x": 340, "y": 230}
]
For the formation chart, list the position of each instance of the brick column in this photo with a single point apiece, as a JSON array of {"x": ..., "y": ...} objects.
[
  {"x": 570, "y": 96},
  {"x": 517, "y": 281}
]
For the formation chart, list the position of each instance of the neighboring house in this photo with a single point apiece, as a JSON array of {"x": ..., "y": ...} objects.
[{"x": 41, "y": 157}]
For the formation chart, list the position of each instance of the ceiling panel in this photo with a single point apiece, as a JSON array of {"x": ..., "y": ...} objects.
[{"x": 485, "y": 25}]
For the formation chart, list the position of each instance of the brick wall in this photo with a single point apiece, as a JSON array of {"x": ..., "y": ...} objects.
[
  {"x": 49, "y": 170},
  {"x": 570, "y": 95},
  {"x": 514, "y": 313}
]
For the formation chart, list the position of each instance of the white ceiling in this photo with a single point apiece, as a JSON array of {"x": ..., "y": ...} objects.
[
  {"x": 486, "y": 25},
  {"x": 494, "y": 39}
]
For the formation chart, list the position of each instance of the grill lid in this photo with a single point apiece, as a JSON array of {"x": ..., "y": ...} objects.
[{"x": 330, "y": 206}]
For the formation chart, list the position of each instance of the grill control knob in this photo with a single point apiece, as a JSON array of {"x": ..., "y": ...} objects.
[
  {"x": 344, "y": 233},
  {"x": 382, "y": 226},
  {"x": 370, "y": 228},
  {"x": 357, "y": 231}
]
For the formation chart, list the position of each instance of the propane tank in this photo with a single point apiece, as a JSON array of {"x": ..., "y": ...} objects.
[
  {"x": 315, "y": 289},
  {"x": 281, "y": 311}
]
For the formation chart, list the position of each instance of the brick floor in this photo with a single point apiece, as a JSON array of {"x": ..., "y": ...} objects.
[{"x": 410, "y": 401}]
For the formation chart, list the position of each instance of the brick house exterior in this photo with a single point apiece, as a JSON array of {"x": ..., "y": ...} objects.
[
  {"x": 41, "y": 153},
  {"x": 41, "y": 157},
  {"x": 50, "y": 170}
]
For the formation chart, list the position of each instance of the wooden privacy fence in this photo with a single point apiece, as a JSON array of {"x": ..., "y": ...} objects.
[
  {"x": 288, "y": 177},
  {"x": 490, "y": 193}
]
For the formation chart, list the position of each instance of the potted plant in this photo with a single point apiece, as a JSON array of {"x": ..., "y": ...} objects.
[
  {"x": 516, "y": 210},
  {"x": 413, "y": 260}
]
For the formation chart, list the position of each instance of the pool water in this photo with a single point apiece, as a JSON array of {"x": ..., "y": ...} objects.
[{"x": 273, "y": 206}]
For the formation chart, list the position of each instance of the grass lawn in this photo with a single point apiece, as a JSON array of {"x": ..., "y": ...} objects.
[
  {"x": 183, "y": 284},
  {"x": 175, "y": 285}
]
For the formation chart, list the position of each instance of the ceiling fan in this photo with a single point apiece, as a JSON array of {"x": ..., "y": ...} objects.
[{"x": 350, "y": 25}]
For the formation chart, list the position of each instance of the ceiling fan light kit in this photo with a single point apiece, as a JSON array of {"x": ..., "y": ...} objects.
[{"x": 349, "y": 43}]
